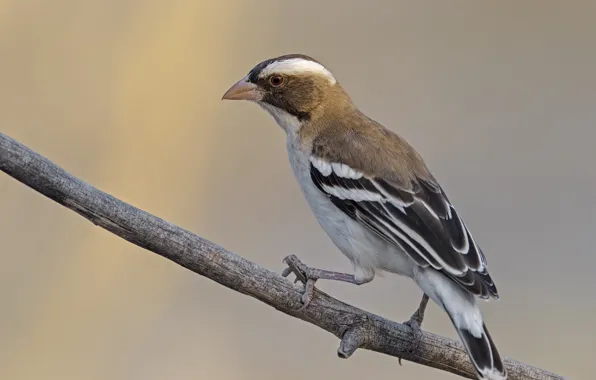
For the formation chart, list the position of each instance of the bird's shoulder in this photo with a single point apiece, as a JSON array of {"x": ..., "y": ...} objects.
[{"x": 368, "y": 147}]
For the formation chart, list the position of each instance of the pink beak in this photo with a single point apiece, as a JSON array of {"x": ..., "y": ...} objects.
[{"x": 243, "y": 90}]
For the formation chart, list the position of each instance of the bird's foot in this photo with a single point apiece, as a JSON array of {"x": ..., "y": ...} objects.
[
  {"x": 415, "y": 323},
  {"x": 304, "y": 274},
  {"x": 308, "y": 276}
]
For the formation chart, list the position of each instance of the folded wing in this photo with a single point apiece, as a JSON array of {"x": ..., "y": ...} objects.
[{"x": 419, "y": 219}]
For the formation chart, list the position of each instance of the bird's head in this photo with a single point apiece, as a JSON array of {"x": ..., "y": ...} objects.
[{"x": 293, "y": 88}]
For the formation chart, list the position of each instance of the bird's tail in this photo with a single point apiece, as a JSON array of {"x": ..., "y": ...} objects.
[
  {"x": 465, "y": 315},
  {"x": 483, "y": 353}
]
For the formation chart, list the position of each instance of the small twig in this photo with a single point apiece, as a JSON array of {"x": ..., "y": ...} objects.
[{"x": 354, "y": 338}]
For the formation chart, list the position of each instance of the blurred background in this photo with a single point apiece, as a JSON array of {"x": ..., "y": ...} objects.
[{"x": 125, "y": 94}]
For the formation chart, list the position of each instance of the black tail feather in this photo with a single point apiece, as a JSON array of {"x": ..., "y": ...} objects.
[
  {"x": 499, "y": 366},
  {"x": 484, "y": 355}
]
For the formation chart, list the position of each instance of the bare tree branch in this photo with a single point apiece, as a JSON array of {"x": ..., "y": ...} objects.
[{"x": 356, "y": 328}]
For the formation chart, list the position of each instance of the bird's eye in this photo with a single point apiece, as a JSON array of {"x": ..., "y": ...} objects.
[{"x": 276, "y": 80}]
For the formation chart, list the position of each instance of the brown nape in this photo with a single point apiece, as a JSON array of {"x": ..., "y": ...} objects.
[{"x": 339, "y": 132}]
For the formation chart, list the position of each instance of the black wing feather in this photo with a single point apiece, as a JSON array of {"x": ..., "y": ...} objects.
[{"x": 421, "y": 221}]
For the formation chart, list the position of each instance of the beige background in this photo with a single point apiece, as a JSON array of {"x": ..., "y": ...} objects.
[{"x": 497, "y": 95}]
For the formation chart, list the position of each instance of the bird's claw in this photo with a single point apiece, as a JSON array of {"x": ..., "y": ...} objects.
[
  {"x": 415, "y": 323},
  {"x": 286, "y": 272},
  {"x": 303, "y": 274},
  {"x": 295, "y": 266}
]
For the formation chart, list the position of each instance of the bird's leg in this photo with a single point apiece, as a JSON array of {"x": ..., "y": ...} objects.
[
  {"x": 415, "y": 322},
  {"x": 310, "y": 275},
  {"x": 416, "y": 319}
]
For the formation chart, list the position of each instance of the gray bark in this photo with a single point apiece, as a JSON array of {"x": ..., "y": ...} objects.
[{"x": 355, "y": 327}]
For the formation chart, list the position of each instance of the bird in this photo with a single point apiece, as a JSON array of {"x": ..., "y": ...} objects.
[{"x": 376, "y": 199}]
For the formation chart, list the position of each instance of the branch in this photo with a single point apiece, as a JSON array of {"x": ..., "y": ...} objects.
[{"x": 355, "y": 327}]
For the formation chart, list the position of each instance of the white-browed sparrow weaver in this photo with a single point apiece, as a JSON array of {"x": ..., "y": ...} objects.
[{"x": 376, "y": 199}]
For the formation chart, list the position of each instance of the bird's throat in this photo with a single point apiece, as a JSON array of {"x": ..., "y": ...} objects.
[{"x": 289, "y": 123}]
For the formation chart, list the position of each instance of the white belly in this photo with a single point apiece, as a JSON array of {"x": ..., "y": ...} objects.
[{"x": 366, "y": 251}]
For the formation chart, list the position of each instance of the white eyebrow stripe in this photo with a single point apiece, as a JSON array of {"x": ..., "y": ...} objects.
[{"x": 296, "y": 66}]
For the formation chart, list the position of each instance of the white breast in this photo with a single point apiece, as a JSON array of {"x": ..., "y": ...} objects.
[{"x": 367, "y": 252}]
